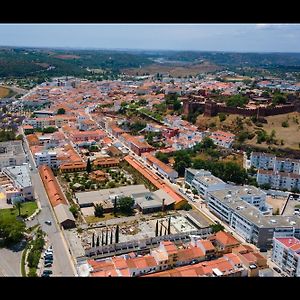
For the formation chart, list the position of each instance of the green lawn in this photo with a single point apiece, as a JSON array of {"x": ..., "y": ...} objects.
[{"x": 27, "y": 209}]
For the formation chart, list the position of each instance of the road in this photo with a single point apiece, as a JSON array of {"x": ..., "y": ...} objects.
[{"x": 63, "y": 263}]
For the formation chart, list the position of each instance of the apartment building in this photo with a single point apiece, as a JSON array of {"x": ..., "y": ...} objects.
[
  {"x": 286, "y": 254},
  {"x": 161, "y": 167},
  {"x": 203, "y": 181},
  {"x": 268, "y": 161},
  {"x": 248, "y": 221},
  {"x": 278, "y": 180},
  {"x": 48, "y": 158},
  {"x": 264, "y": 161}
]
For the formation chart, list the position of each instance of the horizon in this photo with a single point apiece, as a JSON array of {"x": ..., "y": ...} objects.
[{"x": 235, "y": 38}]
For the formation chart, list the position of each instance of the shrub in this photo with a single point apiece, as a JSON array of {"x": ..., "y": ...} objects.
[{"x": 285, "y": 124}]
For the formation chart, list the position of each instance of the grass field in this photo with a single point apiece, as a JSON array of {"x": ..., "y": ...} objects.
[
  {"x": 27, "y": 209},
  {"x": 4, "y": 92},
  {"x": 191, "y": 69}
]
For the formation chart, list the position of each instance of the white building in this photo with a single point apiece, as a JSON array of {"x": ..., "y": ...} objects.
[
  {"x": 20, "y": 187},
  {"x": 48, "y": 158},
  {"x": 286, "y": 254},
  {"x": 248, "y": 221},
  {"x": 12, "y": 154},
  {"x": 222, "y": 138},
  {"x": 278, "y": 180},
  {"x": 268, "y": 161},
  {"x": 203, "y": 181},
  {"x": 264, "y": 161}
]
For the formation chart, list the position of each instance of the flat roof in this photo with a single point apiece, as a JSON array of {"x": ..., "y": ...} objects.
[
  {"x": 252, "y": 214},
  {"x": 85, "y": 198},
  {"x": 19, "y": 174},
  {"x": 11, "y": 148}
]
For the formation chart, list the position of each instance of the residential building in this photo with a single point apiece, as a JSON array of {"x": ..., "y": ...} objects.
[
  {"x": 278, "y": 180},
  {"x": 264, "y": 161},
  {"x": 286, "y": 254},
  {"x": 12, "y": 154},
  {"x": 76, "y": 166},
  {"x": 222, "y": 138},
  {"x": 16, "y": 185},
  {"x": 161, "y": 167},
  {"x": 203, "y": 181},
  {"x": 248, "y": 221},
  {"x": 48, "y": 158}
]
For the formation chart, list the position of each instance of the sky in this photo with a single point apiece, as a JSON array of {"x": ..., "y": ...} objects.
[{"x": 199, "y": 37}]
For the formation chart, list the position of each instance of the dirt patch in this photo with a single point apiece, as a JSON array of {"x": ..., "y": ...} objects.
[
  {"x": 276, "y": 203},
  {"x": 4, "y": 92},
  {"x": 186, "y": 70},
  {"x": 67, "y": 56}
]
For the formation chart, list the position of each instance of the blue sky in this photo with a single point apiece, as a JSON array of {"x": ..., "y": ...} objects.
[{"x": 201, "y": 37}]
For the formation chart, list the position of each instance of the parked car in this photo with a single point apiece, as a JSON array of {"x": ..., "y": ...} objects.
[
  {"x": 45, "y": 275},
  {"x": 48, "y": 264},
  {"x": 277, "y": 270},
  {"x": 48, "y": 222},
  {"x": 47, "y": 271}
]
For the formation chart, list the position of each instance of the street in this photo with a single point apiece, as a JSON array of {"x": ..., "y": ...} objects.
[{"x": 63, "y": 264}]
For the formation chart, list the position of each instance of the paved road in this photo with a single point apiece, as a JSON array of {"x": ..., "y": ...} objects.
[
  {"x": 63, "y": 265},
  {"x": 10, "y": 262}
]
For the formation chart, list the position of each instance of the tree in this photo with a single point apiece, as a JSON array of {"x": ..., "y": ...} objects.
[
  {"x": 161, "y": 227},
  {"x": 74, "y": 210},
  {"x": 162, "y": 157},
  {"x": 182, "y": 161},
  {"x": 111, "y": 237},
  {"x": 106, "y": 236},
  {"x": 98, "y": 210},
  {"x": 93, "y": 240},
  {"x": 102, "y": 238},
  {"x": 126, "y": 205},
  {"x": 217, "y": 227},
  {"x": 156, "y": 228},
  {"x": 186, "y": 206},
  {"x": 18, "y": 206},
  {"x": 117, "y": 234},
  {"x": 208, "y": 143},
  {"x": 11, "y": 230},
  {"x": 115, "y": 206},
  {"x": 237, "y": 101},
  {"x": 222, "y": 117},
  {"x": 265, "y": 186},
  {"x": 88, "y": 166},
  {"x": 61, "y": 111}
]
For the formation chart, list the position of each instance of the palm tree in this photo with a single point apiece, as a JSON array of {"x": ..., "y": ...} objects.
[{"x": 18, "y": 206}]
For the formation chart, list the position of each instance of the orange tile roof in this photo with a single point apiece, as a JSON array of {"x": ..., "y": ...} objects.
[
  {"x": 207, "y": 245},
  {"x": 160, "y": 164},
  {"x": 226, "y": 239},
  {"x": 54, "y": 192},
  {"x": 155, "y": 180}
]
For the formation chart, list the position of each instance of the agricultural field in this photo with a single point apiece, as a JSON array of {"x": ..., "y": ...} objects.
[
  {"x": 4, "y": 92},
  {"x": 173, "y": 70}
]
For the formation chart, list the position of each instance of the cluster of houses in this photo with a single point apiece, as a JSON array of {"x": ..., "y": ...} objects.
[{"x": 217, "y": 256}]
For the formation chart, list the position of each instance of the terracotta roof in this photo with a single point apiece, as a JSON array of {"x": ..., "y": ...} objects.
[
  {"x": 54, "y": 192},
  {"x": 226, "y": 238}
]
